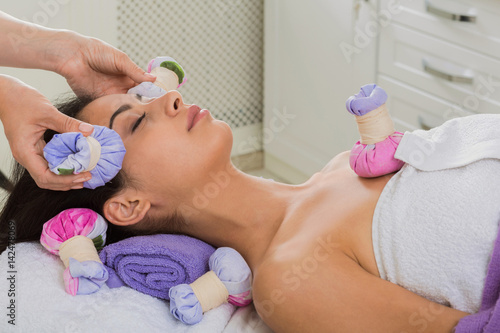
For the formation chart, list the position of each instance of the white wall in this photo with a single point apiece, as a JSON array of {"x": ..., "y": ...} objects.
[
  {"x": 89, "y": 17},
  {"x": 308, "y": 74}
]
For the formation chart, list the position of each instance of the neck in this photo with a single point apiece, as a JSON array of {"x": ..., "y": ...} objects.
[{"x": 238, "y": 210}]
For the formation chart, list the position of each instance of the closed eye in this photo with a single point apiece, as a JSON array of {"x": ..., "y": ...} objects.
[{"x": 138, "y": 122}]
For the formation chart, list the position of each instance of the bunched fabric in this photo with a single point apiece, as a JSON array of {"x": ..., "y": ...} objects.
[
  {"x": 229, "y": 280},
  {"x": 169, "y": 76},
  {"x": 84, "y": 273},
  {"x": 153, "y": 264},
  {"x": 370, "y": 97},
  {"x": 101, "y": 153}
]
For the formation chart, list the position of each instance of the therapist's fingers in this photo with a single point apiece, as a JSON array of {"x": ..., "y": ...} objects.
[
  {"x": 31, "y": 157},
  {"x": 46, "y": 179},
  {"x": 26, "y": 115},
  {"x": 27, "y": 147},
  {"x": 62, "y": 123},
  {"x": 127, "y": 67}
]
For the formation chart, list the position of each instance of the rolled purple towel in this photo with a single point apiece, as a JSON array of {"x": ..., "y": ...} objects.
[{"x": 155, "y": 263}]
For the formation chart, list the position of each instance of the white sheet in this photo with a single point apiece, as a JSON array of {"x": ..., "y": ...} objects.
[
  {"x": 42, "y": 305},
  {"x": 246, "y": 320}
]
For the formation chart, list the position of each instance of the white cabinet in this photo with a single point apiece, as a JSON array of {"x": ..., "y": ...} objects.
[
  {"x": 472, "y": 24},
  {"x": 317, "y": 53},
  {"x": 437, "y": 59},
  {"x": 440, "y": 59},
  {"x": 412, "y": 108}
]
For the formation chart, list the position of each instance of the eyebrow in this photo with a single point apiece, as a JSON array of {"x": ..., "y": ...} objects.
[{"x": 121, "y": 109}]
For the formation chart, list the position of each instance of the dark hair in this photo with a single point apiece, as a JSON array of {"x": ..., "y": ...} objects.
[{"x": 28, "y": 206}]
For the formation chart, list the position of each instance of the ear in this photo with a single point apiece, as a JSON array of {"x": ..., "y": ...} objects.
[{"x": 126, "y": 208}]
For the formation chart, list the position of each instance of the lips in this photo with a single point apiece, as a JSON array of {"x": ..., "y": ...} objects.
[
  {"x": 192, "y": 112},
  {"x": 195, "y": 114}
]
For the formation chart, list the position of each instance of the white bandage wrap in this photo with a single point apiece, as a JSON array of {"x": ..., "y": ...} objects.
[
  {"x": 165, "y": 78},
  {"x": 210, "y": 291},
  {"x": 375, "y": 126},
  {"x": 80, "y": 248},
  {"x": 95, "y": 152}
]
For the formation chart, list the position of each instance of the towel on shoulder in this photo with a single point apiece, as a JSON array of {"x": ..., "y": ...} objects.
[{"x": 456, "y": 143}]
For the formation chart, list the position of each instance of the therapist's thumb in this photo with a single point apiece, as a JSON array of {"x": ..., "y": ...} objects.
[
  {"x": 68, "y": 124},
  {"x": 133, "y": 71}
]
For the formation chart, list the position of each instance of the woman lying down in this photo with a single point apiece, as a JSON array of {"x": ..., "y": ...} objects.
[{"x": 404, "y": 252}]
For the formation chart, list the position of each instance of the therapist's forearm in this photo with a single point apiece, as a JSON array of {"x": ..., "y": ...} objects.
[
  {"x": 28, "y": 45},
  {"x": 8, "y": 85}
]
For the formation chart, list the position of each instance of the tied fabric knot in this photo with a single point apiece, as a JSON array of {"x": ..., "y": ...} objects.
[
  {"x": 74, "y": 235},
  {"x": 229, "y": 280},
  {"x": 373, "y": 155}
]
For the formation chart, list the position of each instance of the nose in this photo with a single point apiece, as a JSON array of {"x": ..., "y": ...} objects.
[{"x": 171, "y": 102}]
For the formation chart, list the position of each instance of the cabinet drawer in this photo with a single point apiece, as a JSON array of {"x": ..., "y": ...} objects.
[
  {"x": 454, "y": 73},
  {"x": 439, "y": 18},
  {"x": 413, "y": 109}
]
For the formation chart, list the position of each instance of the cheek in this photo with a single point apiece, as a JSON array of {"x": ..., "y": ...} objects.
[
  {"x": 217, "y": 146},
  {"x": 159, "y": 163},
  {"x": 162, "y": 159}
]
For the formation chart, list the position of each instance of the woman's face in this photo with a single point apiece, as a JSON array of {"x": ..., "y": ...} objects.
[{"x": 171, "y": 146}]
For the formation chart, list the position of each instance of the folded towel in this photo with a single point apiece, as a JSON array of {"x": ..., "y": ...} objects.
[
  {"x": 487, "y": 320},
  {"x": 456, "y": 143},
  {"x": 153, "y": 264},
  {"x": 434, "y": 231}
]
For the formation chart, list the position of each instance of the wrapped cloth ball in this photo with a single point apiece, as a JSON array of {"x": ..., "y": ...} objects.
[
  {"x": 229, "y": 280},
  {"x": 373, "y": 155},
  {"x": 101, "y": 153},
  {"x": 75, "y": 235},
  {"x": 169, "y": 76}
]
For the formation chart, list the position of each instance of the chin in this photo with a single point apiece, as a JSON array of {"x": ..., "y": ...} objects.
[
  {"x": 218, "y": 148},
  {"x": 225, "y": 137}
]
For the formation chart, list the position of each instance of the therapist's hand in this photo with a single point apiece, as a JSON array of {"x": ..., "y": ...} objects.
[
  {"x": 26, "y": 115},
  {"x": 91, "y": 66}
]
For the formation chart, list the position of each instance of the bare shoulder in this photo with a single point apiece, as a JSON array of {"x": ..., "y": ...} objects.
[
  {"x": 327, "y": 291},
  {"x": 286, "y": 286},
  {"x": 340, "y": 161}
]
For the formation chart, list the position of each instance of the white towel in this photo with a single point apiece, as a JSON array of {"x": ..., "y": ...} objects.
[
  {"x": 42, "y": 305},
  {"x": 456, "y": 143},
  {"x": 433, "y": 231}
]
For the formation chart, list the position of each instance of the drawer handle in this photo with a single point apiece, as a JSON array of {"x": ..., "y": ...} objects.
[
  {"x": 469, "y": 17},
  {"x": 425, "y": 125},
  {"x": 465, "y": 77}
]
